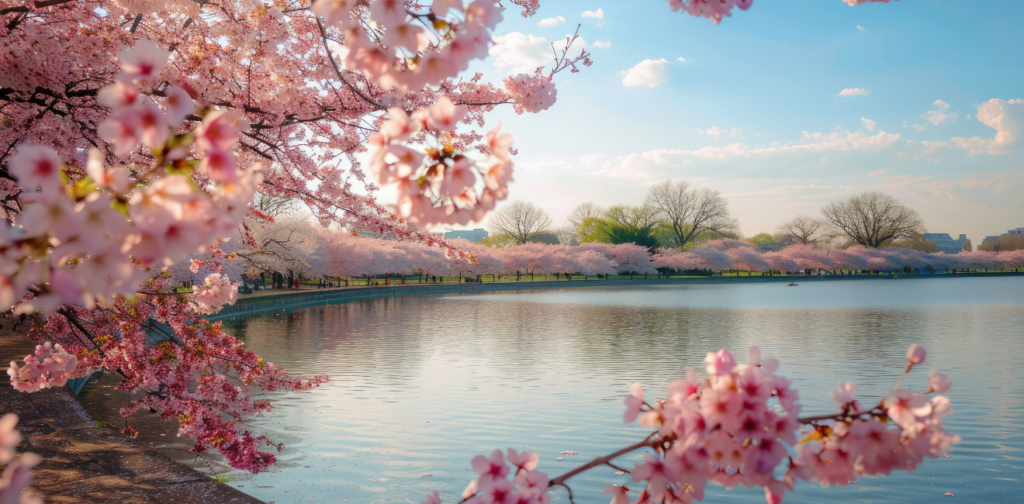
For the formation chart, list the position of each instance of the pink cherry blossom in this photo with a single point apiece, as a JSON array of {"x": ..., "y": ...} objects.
[
  {"x": 938, "y": 382},
  {"x": 526, "y": 461},
  {"x": 219, "y": 130},
  {"x": 49, "y": 366},
  {"x": 440, "y": 7},
  {"x": 844, "y": 394},
  {"x": 35, "y": 166},
  {"x": 9, "y": 437},
  {"x": 122, "y": 93},
  {"x": 115, "y": 178},
  {"x": 619, "y": 494},
  {"x": 531, "y": 93},
  {"x": 144, "y": 62},
  {"x": 490, "y": 469},
  {"x": 445, "y": 115},
  {"x": 720, "y": 362},
  {"x": 337, "y": 12},
  {"x": 16, "y": 479},
  {"x": 634, "y": 401},
  {"x": 122, "y": 131},
  {"x": 179, "y": 104}
]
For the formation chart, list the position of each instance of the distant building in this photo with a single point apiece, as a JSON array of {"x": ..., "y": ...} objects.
[
  {"x": 1018, "y": 231},
  {"x": 946, "y": 243},
  {"x": 473, "y": 235}
]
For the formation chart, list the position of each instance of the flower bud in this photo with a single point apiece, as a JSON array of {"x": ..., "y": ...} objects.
[{"x": 915, "y": 354}]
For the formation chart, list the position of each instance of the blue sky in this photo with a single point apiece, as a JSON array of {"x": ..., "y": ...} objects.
[{"x": 752, "y": 107}]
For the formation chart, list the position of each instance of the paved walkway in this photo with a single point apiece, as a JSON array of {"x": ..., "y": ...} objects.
[{"x": 83, "y": 463}]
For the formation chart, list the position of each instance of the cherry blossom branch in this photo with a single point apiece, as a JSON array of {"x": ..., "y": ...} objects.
[
  {"x": 337, "y": 70},
  {"x": 562, "y": 62},
  {"x": 606, "y": 459},
  {"x": 38, "y": 5}
]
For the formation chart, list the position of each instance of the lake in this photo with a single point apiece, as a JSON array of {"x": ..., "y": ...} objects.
[{"x": 421, "y": 384}]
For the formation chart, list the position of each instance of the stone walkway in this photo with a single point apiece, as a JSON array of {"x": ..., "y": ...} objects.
[{"x": 83, "y": 463}]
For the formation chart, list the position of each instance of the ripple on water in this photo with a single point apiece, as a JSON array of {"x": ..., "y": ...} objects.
[{"x": 547, "y": 371}]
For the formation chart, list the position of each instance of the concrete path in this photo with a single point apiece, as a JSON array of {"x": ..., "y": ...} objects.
[{"x": 83, "y": 463}]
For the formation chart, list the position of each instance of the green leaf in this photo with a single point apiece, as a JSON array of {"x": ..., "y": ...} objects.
[
  {"x": 81, "y": 189},
  {"x": 182, "y": 167},
  {"x": 120, "y": 206}
]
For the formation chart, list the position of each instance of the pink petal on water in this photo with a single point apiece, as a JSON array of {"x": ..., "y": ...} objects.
[
  {"x": 559, "y": 459},
  {"x": 948, "y": 456},
  {"x": 949, "y": 494},
  {"x": 619, "y": 473}
]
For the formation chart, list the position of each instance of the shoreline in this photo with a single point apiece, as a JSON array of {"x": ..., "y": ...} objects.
[
  {"x": 84, "y": 462},
  {"x": 304, "y": 298}
]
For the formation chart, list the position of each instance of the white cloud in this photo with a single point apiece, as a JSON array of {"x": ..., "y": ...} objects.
[
  {"x": 939, "y": 114},
  {"x": 839, "y": 141},
  {"x": 599, "y": 14},
  {"x": 590, "y": 159},
  {"x": 551, "y": 21},
  {"x": 861, "y": 28},
  {"x": 924, "y": 148},
  {"x": 520, "y": 53},
  {"x": 868, "y": 123},
  {"x": 876, "y": 172},
  {"x": 918, "y": 128},
  {"x": 1006, "y": 117},
  {"x": 717, "y": 132},
  {"x": 854, "y": 92},
  {"x": 680, "y": 59},
  {"x": 602, "y": 44},
  {"x": 648, "y": 73}
]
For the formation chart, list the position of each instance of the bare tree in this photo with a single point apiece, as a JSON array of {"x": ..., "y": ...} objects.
[
  {"x": 635, "y": 217},
  {"x": 580, "y": 214},
  {"x": 804, "y": 229},
  {"x": 520, "y": 220},
  {"x": 690, "y": 211},
  {"x": 567, "y": 235},
  {"x": 872, "y": 219}
]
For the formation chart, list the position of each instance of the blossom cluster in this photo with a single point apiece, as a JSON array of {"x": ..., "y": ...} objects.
[
  {"x": 216, "y": 291},
  {"x": 729, "y": 428},
  {"x": 49, "y": 366},
  {"x": 532, "y": 93},
  {"x": 714, "y": 10},
  {"x": 388, "y": 43},
  {"x": 439, "y": 185},
  {"x": 187, "y": 369},
  {"x": 504, "y": 479},
  {"x": 739, "y": 426},
  {"x": 17, "y": 475},
  {"x": 78, "y": 243},
  {"x": 861, "y": 443},
  {"x": 722, "y": 429}
]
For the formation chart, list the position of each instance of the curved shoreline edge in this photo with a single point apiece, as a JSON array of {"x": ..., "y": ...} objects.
[
  {"x": 85, "y": 463},
  {"x": 305, "y": 299}
]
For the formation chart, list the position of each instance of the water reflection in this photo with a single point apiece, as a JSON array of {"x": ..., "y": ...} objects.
[{"x": 420, "y": 383}]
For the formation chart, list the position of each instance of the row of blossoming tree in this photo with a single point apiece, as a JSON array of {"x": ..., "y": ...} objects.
[
  {"x": 136, "y": 132},
  {"x": 327, "y": 253}
]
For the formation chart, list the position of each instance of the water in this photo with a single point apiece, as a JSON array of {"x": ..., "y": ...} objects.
[{"x": 420, "y": 384}]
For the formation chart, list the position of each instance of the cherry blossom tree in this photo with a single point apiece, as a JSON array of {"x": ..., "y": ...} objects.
[{"x": 136, "y": 133}]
